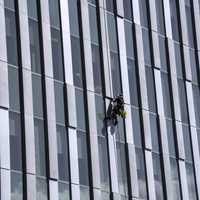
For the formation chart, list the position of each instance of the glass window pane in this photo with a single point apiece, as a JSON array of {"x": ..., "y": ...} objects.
[
  {"x": 136, "y": 127},
  {"x": 128, "y": 9},
  {"x": 150, "y": 89},
  {"x": 82, "y": 159},
  {"x": 115, "y": 71},
  {"x": 57, "y": 54},
  {"x": 16, "y": 186},
  {"x": 93, "y": 25},
  {"x": 143, "y": 13},
  {"x": 163, "y": 56},
  {"x": 160, "y": 16},
  {"x": 132, "y": 82},
  {"x": 63, "y": 190},
  {"x": 9, "y": 4},
  {"x": 166, "y": 95},
  {"x": 73, "y": 17},
  {"x": 193, "y": 66},
  {"x": 54, "y": 13},
  {"x": 13, "y": 80},
  {"x": 110, "y": 5},
  {"x": 154, "y": 132},
  {"x": 187, "y": 143},
  {"x": 40, "y": 148},
  {"x": 80, "y": 109},
  {"x": 129, "y": 39},
  {"x": 59, "y": 102},
  {"x": 63, "y": 162},
  {"x": 32, "y": 9},
  {"x": 96, "y": 69},
  {"x": 34, "y": 46},
  {"x": 158, "y": 177},
  {"x": 15, "y": 141},
  {"x": 41, "y": 187},
  {"x": 191, "y": 181},
  {"x": 175, "y": 179},
  {"x": 11, "y": 38},
  {"x": 146, "y": 46},
  {"x": 178, "y": 58},
  {"x": 103, "y": 163},
  {"x": 141, "y": 174},
  {"x": 183, "y": 101},
  {"x": 84, "y": 193},
  {"x": 37, "y": 96},
  {"x": 76, "y": 61},
  {"x": 174, "y": 20},
  {"x": 196, "y": 97}
]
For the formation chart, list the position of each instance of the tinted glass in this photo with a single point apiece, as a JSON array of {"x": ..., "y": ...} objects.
[
  {"x": 9, "y": 4},
  {"x": 121, "y": 168},
  {"x": 13, "y": 80},
  {"x": 150, "y": 89},
  {"x": 15, "y": 141},
  {"x": 160, "y": 16},
  {"x": 41, "y": 187},
  {"x": 82, "y": 159},
  {"x": 132, "y": 82},
  {"x": 196, "y": 97},
  {"x": 193, "y": 66},
  {"x": 62, "y": 153},
  {"x": 175, "y": 179},
  {"x": 136, "y": 127},
  {"x": 63, "y": 190},
  {"x": 16, "y": 186},
  {"x": 163, "y": 58},
  {"x": 158, "y": 177},
  {"x": 128, "y": 9},
  {"x": 11, "y": 38},
  {"x": 80, "y": 109},
  {"x": 141, "y": 174},
  {"x": 154, "y": 132},
  {"x": 37, "y": 96},
  {"x": 84, "y": 193},
  {"x": 103, "y": 163},
  {"x": 76, "y": 60},
  {"x": 178, "y": 58},
  {"x": 54, "y": 13},
  {"x": 73, "y": 17},
  {"x": 32, "y": 9},
  {"x": 93, "y": 25},
  {"x": 57, "y": 54},
  {"x": 40, "y": 148},
  {"x": 110, "y": 5},
  {"x": 59, "y": 102},
  {"x": 34, "y": 46},
  {"x": 96, "y": 69},
  {"x": 166, "y": 95},
  {"x": 143, "y": 12},
  {"x": 174, "y": 20},
  {"x": 191, "y": 181}
]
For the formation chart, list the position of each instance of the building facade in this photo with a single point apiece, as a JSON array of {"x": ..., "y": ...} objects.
[{"x": 61, "y": 61}]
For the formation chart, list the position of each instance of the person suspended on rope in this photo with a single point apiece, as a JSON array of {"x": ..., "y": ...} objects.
[{"x": 115, "y": 109}]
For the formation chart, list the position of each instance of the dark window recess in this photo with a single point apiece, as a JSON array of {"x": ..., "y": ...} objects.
[
  {"x": 76, "y": 61},
  {"x": 57, "y": 54},
  {"x": 82, "y": 159},
  {"x": 11, "y": 38},
  {"x": 34, "y": 46},
  {"x": 40, "y": 154},
  {"x": 15, "y": 141},
  {"x": 63, "y": 162}
]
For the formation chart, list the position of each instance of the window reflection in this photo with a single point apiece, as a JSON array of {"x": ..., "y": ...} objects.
[
  {"x": 41, "y": 188},
  {"x": 16, "y": 186},
  {"x": 63, "y": 190}
]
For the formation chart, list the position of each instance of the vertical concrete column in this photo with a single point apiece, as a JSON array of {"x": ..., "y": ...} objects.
[
  {"x": 49, "y": 89},
  {"x": 136, "y": 11}
]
